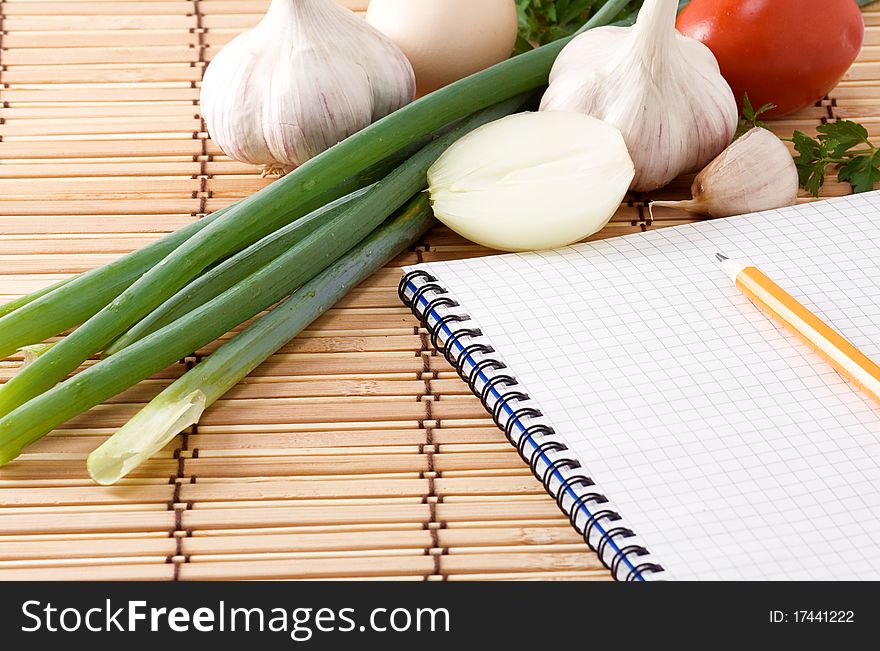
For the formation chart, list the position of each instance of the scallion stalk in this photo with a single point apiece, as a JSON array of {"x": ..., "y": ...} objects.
[
  {"x": 32, "y": 352},
  {"x": 181, "y": 404},
  {"x": 12, "y": 306},
  {"x": 217, "y": 280},
  {"x": 259, "y": 291},
  {"x": 282, "y": 202},
  {"x": 45, "y": 314},
  {"x": 69, "y": 303}
]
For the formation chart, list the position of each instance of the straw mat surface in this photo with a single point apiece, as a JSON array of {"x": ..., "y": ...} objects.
[{"x": 355, "y": 452}]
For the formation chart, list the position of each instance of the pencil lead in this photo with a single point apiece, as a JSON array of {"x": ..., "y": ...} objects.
[{"x": 721, "y": 258}]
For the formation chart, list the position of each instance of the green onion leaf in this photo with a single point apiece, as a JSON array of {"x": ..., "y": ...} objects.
[
  {"x": 300, "y": 192},
  {"x": 232, "y": 270},
  {"x": 245, "y": 300},
  {"x": 181, "y": 404}
]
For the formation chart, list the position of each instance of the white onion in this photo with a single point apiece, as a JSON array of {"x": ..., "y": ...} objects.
[{"x": 532, "y": 181}]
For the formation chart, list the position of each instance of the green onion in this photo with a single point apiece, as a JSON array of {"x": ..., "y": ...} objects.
[
  {"x": 102, "y": 291},
  {"x": 248, "y": 298},
  {"x": 45, "y": 314},
  {"x": 232, "y": 270},
  {"x": 12, "y": 306},
  {"x": 282, "y": 202},
  {"x": 181, "y": 404},
  {"x": 30, "y": 353}
]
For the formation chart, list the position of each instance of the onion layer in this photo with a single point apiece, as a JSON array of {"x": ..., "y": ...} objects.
[{"x": 532, "y": 181}]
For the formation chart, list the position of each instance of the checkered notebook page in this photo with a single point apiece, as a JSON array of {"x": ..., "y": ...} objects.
[{"x": 731, "y": 449}]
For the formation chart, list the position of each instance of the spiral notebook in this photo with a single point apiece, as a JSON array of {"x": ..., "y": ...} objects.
[{"x": 684, "y": 433}]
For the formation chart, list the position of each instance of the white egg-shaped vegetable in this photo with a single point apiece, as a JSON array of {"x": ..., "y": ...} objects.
[
  {"x": 446, "y": 40},
  {"x": 532, "y": 181}
]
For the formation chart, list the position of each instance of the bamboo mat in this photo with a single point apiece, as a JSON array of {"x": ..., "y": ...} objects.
[{"x": 355, "y": 452}]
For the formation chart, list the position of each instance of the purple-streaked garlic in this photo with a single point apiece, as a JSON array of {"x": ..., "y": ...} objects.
[
  {"x": 755, "y": 173},
  {"x": 664, "y": 92},
  {"x": 308, "y": 75}
]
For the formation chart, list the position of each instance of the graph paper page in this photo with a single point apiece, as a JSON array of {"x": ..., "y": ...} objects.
[{"x": 732, "y": 449}]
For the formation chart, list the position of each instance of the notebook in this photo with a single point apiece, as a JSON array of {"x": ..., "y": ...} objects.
[{"x": 685, "y": 434}]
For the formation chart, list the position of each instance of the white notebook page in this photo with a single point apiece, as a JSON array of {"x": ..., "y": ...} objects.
[{"x": 731, "y": 449}]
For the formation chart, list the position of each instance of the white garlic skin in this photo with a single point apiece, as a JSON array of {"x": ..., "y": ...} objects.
[
  {"x": 757, "y": 172},
  {"x": 664, "y": 92},
  {"x": 306, "y": 77}
]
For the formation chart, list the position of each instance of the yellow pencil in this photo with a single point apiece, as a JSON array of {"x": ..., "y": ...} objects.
[{"x": 769, "y": 296}]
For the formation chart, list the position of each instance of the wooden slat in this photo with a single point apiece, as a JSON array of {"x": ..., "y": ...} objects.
[{"x": 354, "y": 452}]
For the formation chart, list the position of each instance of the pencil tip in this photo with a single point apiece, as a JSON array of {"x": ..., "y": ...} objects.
[{"x": 721, "y": 258}]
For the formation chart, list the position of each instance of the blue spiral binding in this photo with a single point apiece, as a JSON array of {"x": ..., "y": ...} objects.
[{"x": 535, "y": 443}]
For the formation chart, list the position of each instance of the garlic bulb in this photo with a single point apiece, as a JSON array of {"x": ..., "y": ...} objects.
[
  {"x": 532, "y": 181},
  {"x": 662, "y": 90},
  {"x": 309, "y": 75},
  {"x": 755, "y": 173}
]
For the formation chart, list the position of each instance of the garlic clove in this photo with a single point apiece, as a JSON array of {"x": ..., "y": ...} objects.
[
  {"x": 757, "y": 172},
  {"x": 307, "y": 76},
  {"x": 532, "y": 181},
  {"x": 662, "y": 90}
]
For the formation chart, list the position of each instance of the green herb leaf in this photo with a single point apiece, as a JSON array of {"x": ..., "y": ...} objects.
[
  {"x": 748, "y": 112},
  {"x": 842, "y": 136},
  {"x": 862, "y": 172},
  {"x": 811, "y": 162},
  {"x": 843, "y": 143},
  {"x": 545, "y": 21},
  {"x": 750, "y": 117}
]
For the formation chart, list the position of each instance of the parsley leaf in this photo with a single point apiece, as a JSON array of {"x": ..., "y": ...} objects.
[
  {"x": 545, "y": 21},
  {"x": 811, "y": 162},
  {"x": 844, "y": 144},
  {"x": 843, "y": 136},
  {"x": 862, "y": 172},
  {"x": 749, "y": 119}
]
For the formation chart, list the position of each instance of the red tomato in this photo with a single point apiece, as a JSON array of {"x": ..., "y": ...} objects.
[{"x": 787, "y": 52}]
